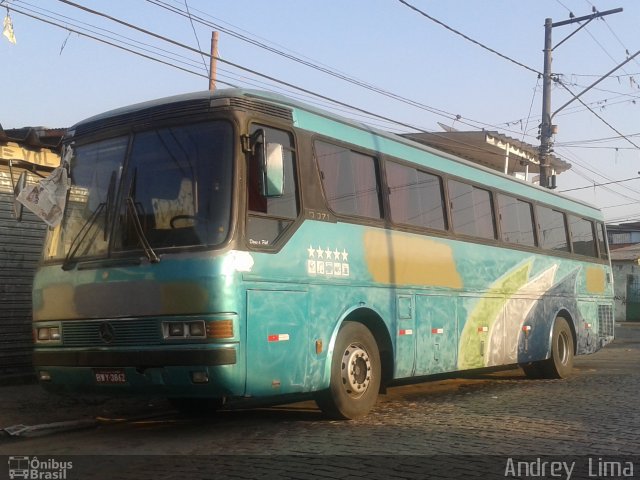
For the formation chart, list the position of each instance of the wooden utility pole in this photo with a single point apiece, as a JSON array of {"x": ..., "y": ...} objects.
[{"x": 212, "y": 61}]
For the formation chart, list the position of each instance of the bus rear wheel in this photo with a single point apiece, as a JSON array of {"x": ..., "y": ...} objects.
[
  {"x": 355, "y": 374},
  {"x": 560, "y": 363}
]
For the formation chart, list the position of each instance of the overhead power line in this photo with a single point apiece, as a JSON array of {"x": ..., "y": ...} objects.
[
  {"x": 250, "y": 71},
  {"x": 112, "y": 44},
  {"x": 601, "y": 184},
  {"x": 325, "y": 69},
  {"x": 597, "y": 115},
  {"x": 268, "y": 77},
  {"x": 466, "y": 37}
]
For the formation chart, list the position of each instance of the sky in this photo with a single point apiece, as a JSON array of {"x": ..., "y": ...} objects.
[{"x": 54, "y": 77}]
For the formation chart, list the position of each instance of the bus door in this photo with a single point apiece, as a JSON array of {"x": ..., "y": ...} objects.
[
  {"x": 437, "y": 339},
  {"x": 405, "y": 337},
  {"x": 277, "y": 341}
]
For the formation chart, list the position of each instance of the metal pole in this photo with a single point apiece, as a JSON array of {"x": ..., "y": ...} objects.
[
  {"x": 545, "y": 127},
  {"x": 212, "y": 61}
]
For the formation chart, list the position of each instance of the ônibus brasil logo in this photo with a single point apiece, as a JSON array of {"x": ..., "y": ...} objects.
[{"x": 33, "y": 468}]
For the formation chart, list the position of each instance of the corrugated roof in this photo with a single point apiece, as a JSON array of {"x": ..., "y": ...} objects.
[
  {"x": 626, "y": 254},
  {"x": 489, "y": 148}
]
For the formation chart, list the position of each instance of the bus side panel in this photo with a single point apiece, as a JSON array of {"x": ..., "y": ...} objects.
[
  {"x": 437, "y": 334},
  {"x": 277, "y": 341},
  {"x": 535, "y": 344}
]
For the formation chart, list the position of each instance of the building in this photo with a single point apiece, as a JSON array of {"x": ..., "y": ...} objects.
[
  {"x": 623, "y": 235},
  {"x": 36, "y": 151},
  {"x": 625, "y": 262},
  {"x": 493, "y": 150}
]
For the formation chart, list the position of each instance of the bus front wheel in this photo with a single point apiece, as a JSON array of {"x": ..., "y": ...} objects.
[{"x": 355, "y": 374}]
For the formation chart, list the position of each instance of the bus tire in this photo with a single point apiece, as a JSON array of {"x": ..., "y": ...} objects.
[
  {"x": 355, "y": 374},
  {"x": 560, "y": 364}
]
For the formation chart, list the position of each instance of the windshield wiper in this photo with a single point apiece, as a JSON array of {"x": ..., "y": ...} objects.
[
  {"x": 148, "y": 250},
  {"x": 79, "y": 239}
]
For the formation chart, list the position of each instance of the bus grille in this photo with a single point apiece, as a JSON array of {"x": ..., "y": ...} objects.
[
  {"x": 122, "y": 332},
  {"x": 262, "y": 107},
  {"x": 605, "y": 321}
]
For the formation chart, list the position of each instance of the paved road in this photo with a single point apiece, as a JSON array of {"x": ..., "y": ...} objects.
[{"x": 412, "y": 433}]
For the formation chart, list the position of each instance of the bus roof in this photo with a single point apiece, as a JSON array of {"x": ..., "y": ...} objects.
[{"x": 335, "y": 126}]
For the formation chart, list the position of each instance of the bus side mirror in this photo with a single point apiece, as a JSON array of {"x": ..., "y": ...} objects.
[
  {"x": 18, "y": 208},
  {"x": 273, "y": 171},
  {"x": 270, "y": 160}
]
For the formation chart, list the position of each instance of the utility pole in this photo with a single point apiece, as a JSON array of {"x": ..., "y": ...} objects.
[
  {"x": 212, "y": 61},
  {"x": 547, "y": 129}
]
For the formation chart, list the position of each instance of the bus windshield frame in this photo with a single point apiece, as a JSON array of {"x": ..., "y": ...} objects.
[{"x": 159, "y": 189}]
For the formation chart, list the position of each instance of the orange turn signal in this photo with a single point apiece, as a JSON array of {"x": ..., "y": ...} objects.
[{"x": 220, "y": 329}]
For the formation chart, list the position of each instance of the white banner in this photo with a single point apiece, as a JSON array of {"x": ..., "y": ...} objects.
[{"x": 47, "y": 198}]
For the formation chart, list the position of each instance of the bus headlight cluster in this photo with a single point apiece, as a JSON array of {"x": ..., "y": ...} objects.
[
  {"x": 182, "y": 330},
  {"x": 47, "y": 334}
]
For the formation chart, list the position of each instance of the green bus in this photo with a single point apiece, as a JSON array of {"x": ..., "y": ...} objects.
[{"x": 241, "y": 245}]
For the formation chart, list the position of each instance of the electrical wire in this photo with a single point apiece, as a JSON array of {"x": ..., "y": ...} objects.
[
  {"x": 333, "y": 101},
  {"x": 596, "y": 114},
  {"x": 442, "y": 24}
]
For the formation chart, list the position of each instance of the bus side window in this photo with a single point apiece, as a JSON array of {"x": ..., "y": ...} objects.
[
  {"x": 471, "y": 210},
  {"x": 269, "y": 217},
  {"x": 415, "y": 197},
  {"x": 553, "y": 231},
  {"x": 582, "y": 236},
  {"x": 349, "y": 180},
  {"x": 602, "y": 244},
  {"x": 516, "y": 220}
]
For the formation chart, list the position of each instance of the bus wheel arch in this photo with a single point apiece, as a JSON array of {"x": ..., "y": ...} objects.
[
  {"x": 563, "y": 347},
  {"x": 373, "y": 321},
  {"x": 359, "y": 364},
  {"x": 562, "y": 350},
  {"x": 564, "y": 313}
]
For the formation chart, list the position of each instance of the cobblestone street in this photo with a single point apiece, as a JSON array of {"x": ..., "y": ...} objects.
[{"x": 593, "y": 413}]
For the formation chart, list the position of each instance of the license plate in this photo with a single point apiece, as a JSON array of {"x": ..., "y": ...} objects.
[{"x": 110, "y": 376}]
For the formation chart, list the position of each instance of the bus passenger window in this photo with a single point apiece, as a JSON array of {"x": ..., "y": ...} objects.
[
  {"x": 516, "y": 220},
  {"x": 349, "y": 180},
  {"x": 415, "y": 197},
  {"x": 602, "y": 244},
  {"x": 582, "y": 236},
  {"x": 553, "y": 232},
  {"x": 471, "y": 210}
]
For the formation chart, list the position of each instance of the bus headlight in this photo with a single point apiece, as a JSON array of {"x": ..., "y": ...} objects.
[
  {"x": 193, "y": 329},
  {"x": 47, "y": 334},
  {"x": 198, "y": 330}
]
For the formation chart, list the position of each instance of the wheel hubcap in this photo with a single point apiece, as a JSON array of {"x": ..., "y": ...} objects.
[
  {"x": 356, "y": 370},
  {"x": 563, "y": 348}
]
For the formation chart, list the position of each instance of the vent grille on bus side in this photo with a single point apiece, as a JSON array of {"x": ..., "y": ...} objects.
[
  {"x": 262, "y": 107},
  {"x": 124, "y": 332},
  {"x": 141, "y": 117},
  {"x": 605, "y": 321}
]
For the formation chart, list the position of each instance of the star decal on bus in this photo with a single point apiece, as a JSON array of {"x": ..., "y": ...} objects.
[{"x": 328, "y": 262}]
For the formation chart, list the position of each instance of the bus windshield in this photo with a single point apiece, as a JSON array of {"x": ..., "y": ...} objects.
[{"x": 163, "y": 188}]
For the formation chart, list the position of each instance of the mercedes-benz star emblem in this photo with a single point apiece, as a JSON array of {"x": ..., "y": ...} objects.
[{"x": 106, "y": 332}]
